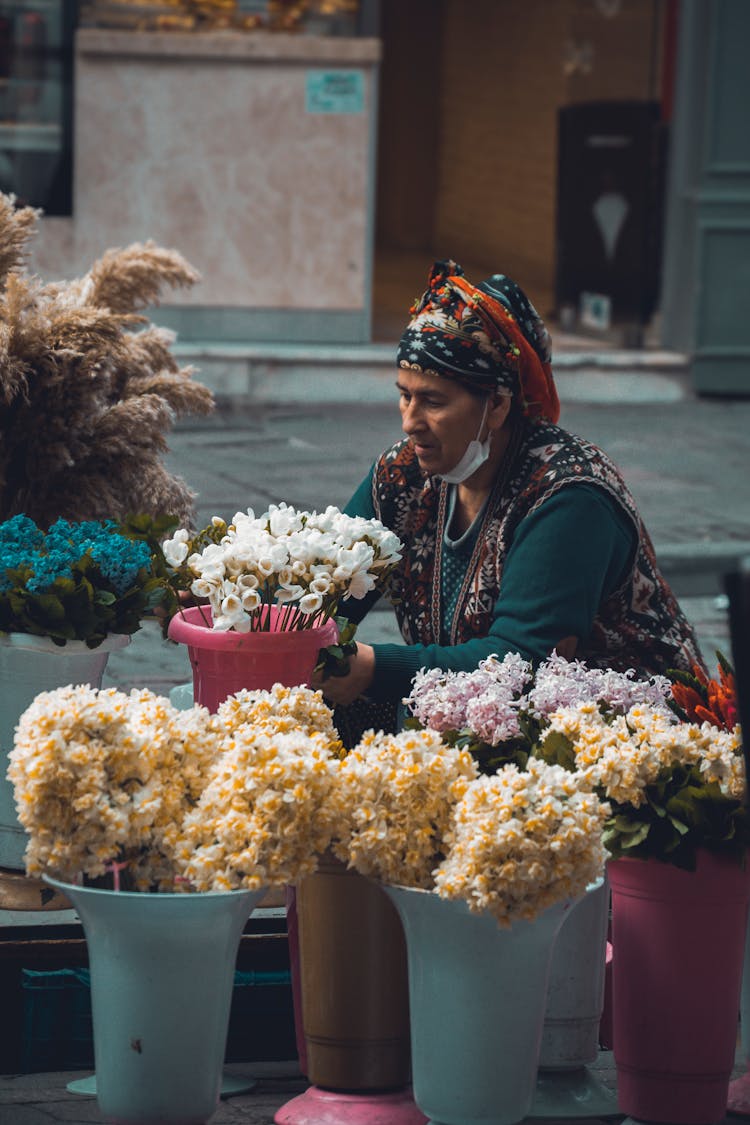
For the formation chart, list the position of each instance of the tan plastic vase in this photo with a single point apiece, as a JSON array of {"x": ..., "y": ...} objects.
[{"x": 354, "y": 984}]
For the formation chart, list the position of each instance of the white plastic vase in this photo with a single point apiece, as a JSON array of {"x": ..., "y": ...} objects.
[
  {"x": 575, "y": 999},
  {"x": 162, "y": 974},
  {"x": 477, "y": 998},
  {"x": 29, "y": 665}
]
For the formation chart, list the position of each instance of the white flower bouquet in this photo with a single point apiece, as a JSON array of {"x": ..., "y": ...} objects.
[
  {"x": 303, "y": 563},
  {"x": 125, "y": 788},
  {"x": 410, "y": 810}
]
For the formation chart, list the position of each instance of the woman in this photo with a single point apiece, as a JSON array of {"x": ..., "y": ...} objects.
[{"x": 518, "y": 536}]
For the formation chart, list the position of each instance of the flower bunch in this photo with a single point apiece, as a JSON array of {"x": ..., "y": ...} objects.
[
  {"x": 485, "y": 701},
  {"x": 391, "y": 804},
  {"x": 410, "y": 810},
  {"x": 283, "y": 710},
  {"x": 559, "y": 683},
  {"x": 499, "y": 710},
  {"x": 673, "y": 787},
  {"x": 102, "y": 777},
  {"x": 262, "y": 819},
  {"x": 75, "y": 581},
  {"x": 521, "y": 841},
  {"x": 304, "y": 563},
  {"x": 702, "y": 700},
  {"x": 174, "y": 800}
]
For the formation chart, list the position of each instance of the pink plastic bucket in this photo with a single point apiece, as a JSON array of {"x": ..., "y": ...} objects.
[
  {"x": 224, "y": 663},
  {"x": 678, "y": 939}
]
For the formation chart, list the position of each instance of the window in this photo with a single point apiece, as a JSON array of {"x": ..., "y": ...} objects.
[{"x": 36, "y": 102}]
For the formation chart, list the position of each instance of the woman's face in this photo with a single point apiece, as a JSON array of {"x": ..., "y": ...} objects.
[{"x": 440, "y": 418}]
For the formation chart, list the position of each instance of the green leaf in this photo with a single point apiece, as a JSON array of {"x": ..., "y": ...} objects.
[
  {"x": 49, "y": 606},
  {"x": 626, "y": 825},
  {"x": 687, "y": 679},
  {"x": 658, "y": 809},
  {"x": 334, "y": 659},
  {"x": 636, "y": 836},
  {"x": 556, "y": 749}
]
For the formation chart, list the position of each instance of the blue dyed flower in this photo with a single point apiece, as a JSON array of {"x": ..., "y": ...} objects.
[
  {"x": 47, "y": 569},
  {"x": 94, "y": 552},
  {"x": 119, "y": 559},
  {"x": 78, "y": 537},
  {"x": 20, "y": 532}
]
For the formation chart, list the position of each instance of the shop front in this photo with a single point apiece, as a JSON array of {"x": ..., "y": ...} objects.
[{"x": 244, "y": 141}]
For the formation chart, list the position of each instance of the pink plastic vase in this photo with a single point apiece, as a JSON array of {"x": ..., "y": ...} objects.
[
  {"x": 224, "y": 663},
  {"x": 678, "y": 939}
]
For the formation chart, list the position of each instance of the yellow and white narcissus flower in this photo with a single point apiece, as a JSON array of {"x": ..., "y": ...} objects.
[
  {"x": 183, "y": 800},
  {"x": 412, "y": 811},
  {"x": 100, "y": 774},
  {"x": 282, "y": 709},
  {"x": 621, "y": 756},
  {"x": 391, "y": 804},
  {"x": 522, "y": 840},
  {"x": 262, "y": 820}
]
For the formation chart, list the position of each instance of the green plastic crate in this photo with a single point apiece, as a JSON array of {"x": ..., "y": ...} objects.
[{"x": 57, "y": 1031}]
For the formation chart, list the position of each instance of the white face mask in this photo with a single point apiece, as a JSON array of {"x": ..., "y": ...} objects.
[{"x": 475, "y": 456}]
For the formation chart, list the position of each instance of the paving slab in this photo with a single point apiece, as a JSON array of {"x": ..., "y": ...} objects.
[{"x": 41, "y": 1099}]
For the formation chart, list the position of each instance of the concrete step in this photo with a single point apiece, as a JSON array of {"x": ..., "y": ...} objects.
[{"x": 313, "y": 372}]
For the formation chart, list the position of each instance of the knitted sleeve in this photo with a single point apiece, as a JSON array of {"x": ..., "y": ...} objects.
[{"x": 565, "y": 559}]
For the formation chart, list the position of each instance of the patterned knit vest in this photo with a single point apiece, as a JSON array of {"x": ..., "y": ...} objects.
[{"x": 639, "y": 626}]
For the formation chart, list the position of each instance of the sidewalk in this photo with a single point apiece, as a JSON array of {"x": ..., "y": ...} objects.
[{"x": 38, "y": 1099}]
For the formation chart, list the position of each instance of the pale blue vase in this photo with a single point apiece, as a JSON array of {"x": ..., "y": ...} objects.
[
  {"x": 477, "y": 997},
  {"x": 162, "y": 973},
  {"x": 575, "y": 999}
]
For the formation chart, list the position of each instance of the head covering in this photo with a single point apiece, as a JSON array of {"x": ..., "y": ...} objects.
[{"x": 487, "y": 337}]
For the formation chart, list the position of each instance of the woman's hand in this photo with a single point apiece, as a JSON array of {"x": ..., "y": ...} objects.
[{"x": 345, "y": 689}]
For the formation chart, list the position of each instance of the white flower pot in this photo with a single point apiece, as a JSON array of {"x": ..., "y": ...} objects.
[
  {"x": 162, "y": 972},
  {"x": 29, "y": 665},
  {"x": 575, "y": 998},
  {"x": 477, "y": 996}
]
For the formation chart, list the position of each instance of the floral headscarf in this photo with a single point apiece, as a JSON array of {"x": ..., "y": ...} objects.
[{"x": 487, "y": 336}]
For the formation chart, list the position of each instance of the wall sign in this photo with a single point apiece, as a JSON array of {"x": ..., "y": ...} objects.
[
  {"x": 595, "y": 311},
  {"x": 334, "y": 91}
]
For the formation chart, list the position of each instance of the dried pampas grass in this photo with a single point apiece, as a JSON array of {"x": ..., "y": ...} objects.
[{"x": 88, "y": 389}]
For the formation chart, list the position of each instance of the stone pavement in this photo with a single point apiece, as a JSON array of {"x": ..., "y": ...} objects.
[{"x": 43, "y": 1099}]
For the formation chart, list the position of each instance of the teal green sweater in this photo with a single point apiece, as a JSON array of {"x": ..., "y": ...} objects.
[{"x": 566, "y": 557}]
